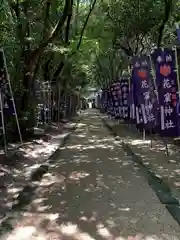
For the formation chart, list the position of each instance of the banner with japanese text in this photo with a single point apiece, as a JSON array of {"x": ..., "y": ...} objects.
[
  {"x": 125, "y": 97},
  {"x": 132, "y": 113},
  {"x": 164, "y": 61},
  {"x": 141, "y": 79},
  {"x": 115, "y": 93},
  {"x": 110, "y": 109}
]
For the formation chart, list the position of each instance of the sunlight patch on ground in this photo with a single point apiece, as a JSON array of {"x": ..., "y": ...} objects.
[
  {"x": 23, "y": 233},
  {"x": 88, "y": 147},
  {"x": 124, "y": 209},
  {"x": 172, "y": 161},
  {"x": 72, "y": 230},
  {"x": 69, "y": 229},
  {"x": 177, "y": 184},
  {"x": 103, "y": 231},
  {"x": 99, "y": 140},
  {"x": 79, "y": 125},
  {"x": 13, "y": 190},
  {"x": 41, "y": 151},
  {"x": 50, "y": 179},
  {"x": 81, "y": 135},
  {"x": 78, "y": 146},
  {"x": 84, "y": 147},
  {"x": 78, "y": 175},
  {"x": 36, "y": 230},
  {"x": 139, "y": 142}
]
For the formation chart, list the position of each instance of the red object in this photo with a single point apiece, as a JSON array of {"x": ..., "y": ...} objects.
[
  {"x": 142, "y": 74},
  {"x": 174, "y": 96},
  {"x": 174, "y": 103},
  {"x": 165, "y": 70}
]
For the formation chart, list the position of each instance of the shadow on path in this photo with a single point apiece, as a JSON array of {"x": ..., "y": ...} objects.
[{"x": 94, "y": 191}]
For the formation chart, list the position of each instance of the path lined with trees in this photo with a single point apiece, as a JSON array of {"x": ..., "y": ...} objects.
[{"x": 71, "y": 44}]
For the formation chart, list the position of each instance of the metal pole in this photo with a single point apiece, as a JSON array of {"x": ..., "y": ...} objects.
[
  {"x": 177, "y": 71},
  {"x": 52, "y": 105},
  {"x": 65, "y": 106},
  {"x": 3, "y": 125},
  {"x": 144, "y": 134},
  {"x": 58, "y": 102},
  {"x": 11, "y": 92},
  {"x": 70, "y": 105}
]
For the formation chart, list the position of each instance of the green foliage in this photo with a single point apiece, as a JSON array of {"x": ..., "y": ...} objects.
[
  {"x": 128, "y": 28},
  {"x": 67, "y": 42},
  {"x": 38, "y": 36}
]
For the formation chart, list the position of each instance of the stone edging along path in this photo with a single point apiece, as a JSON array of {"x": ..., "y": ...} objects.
[
  {"x": 26, "y": 194},
  {"x": 161, "y": 188}
]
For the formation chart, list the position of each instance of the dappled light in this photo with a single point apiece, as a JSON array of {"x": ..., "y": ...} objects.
[
  {"x": 139, "y": 142},
  {"x": 90, "y": 193},
  {"x": 154, "y": 158},
  {"x": 78, "y": 175},
  {"x": 87, "y": 90},
  {"x": 18, "y": 167},
  {"x": 70, "y": 231}
]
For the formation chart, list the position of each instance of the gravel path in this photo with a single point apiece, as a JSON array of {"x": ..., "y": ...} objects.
[{"x": 94, "y": 192}]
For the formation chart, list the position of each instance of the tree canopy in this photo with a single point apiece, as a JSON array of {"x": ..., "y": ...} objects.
[{"x": 76, "y": 43}]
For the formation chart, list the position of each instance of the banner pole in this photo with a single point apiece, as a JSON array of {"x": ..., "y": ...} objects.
[
  {"x": 58, "y": 102},
  {"x": 12, "y": 97},
  {"x": 144, "y": 134},
  {"x": 178, "y": 83},
  {"x": 177, "y": 71},
  {"x": 157, "y": 96},
  {"x": 49, "y": 107},
  {"x": 151, "y": 143},
  {"x": 129, "y": 108}
]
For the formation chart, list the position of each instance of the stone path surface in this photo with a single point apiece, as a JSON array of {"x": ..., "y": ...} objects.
[
  {"x": 165, "y": 167},
  {"x": 93, "y": 191},
  {"x": 15, "y": 172}
]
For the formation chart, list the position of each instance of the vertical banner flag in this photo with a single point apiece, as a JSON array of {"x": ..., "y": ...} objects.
[
  {"x": 109, "y": 105},
  {"x": 115, "y": 88},
  {"x": 125, "y": 97},
  {"x": 178, "y": 32},
  {"x": 7, "y": 102},
  {"x": 164, "y": 61},
  {"x": 113, "y": 98},
  {"x": 142, "y": 90},
  {"x": 137, "y": 108},
  {"x": 131, "y": 102}
]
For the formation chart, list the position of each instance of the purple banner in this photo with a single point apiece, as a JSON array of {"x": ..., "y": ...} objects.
[
  {"x": 141, "y": 79},
  {"x": 115, "y": 95},
  {"x": 178, "y": 33},
  {"x": 164, "y": 61},
  {"x": 109, "y": 103},
  {"x": 125, "y": 98},
  {"x": 131, "y": 102}
]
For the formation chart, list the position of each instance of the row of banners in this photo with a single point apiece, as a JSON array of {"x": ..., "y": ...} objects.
[{"x": 150, "y": 96}]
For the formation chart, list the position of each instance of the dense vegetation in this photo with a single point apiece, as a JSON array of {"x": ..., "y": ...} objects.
[{"x": 76, "y": 43}]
